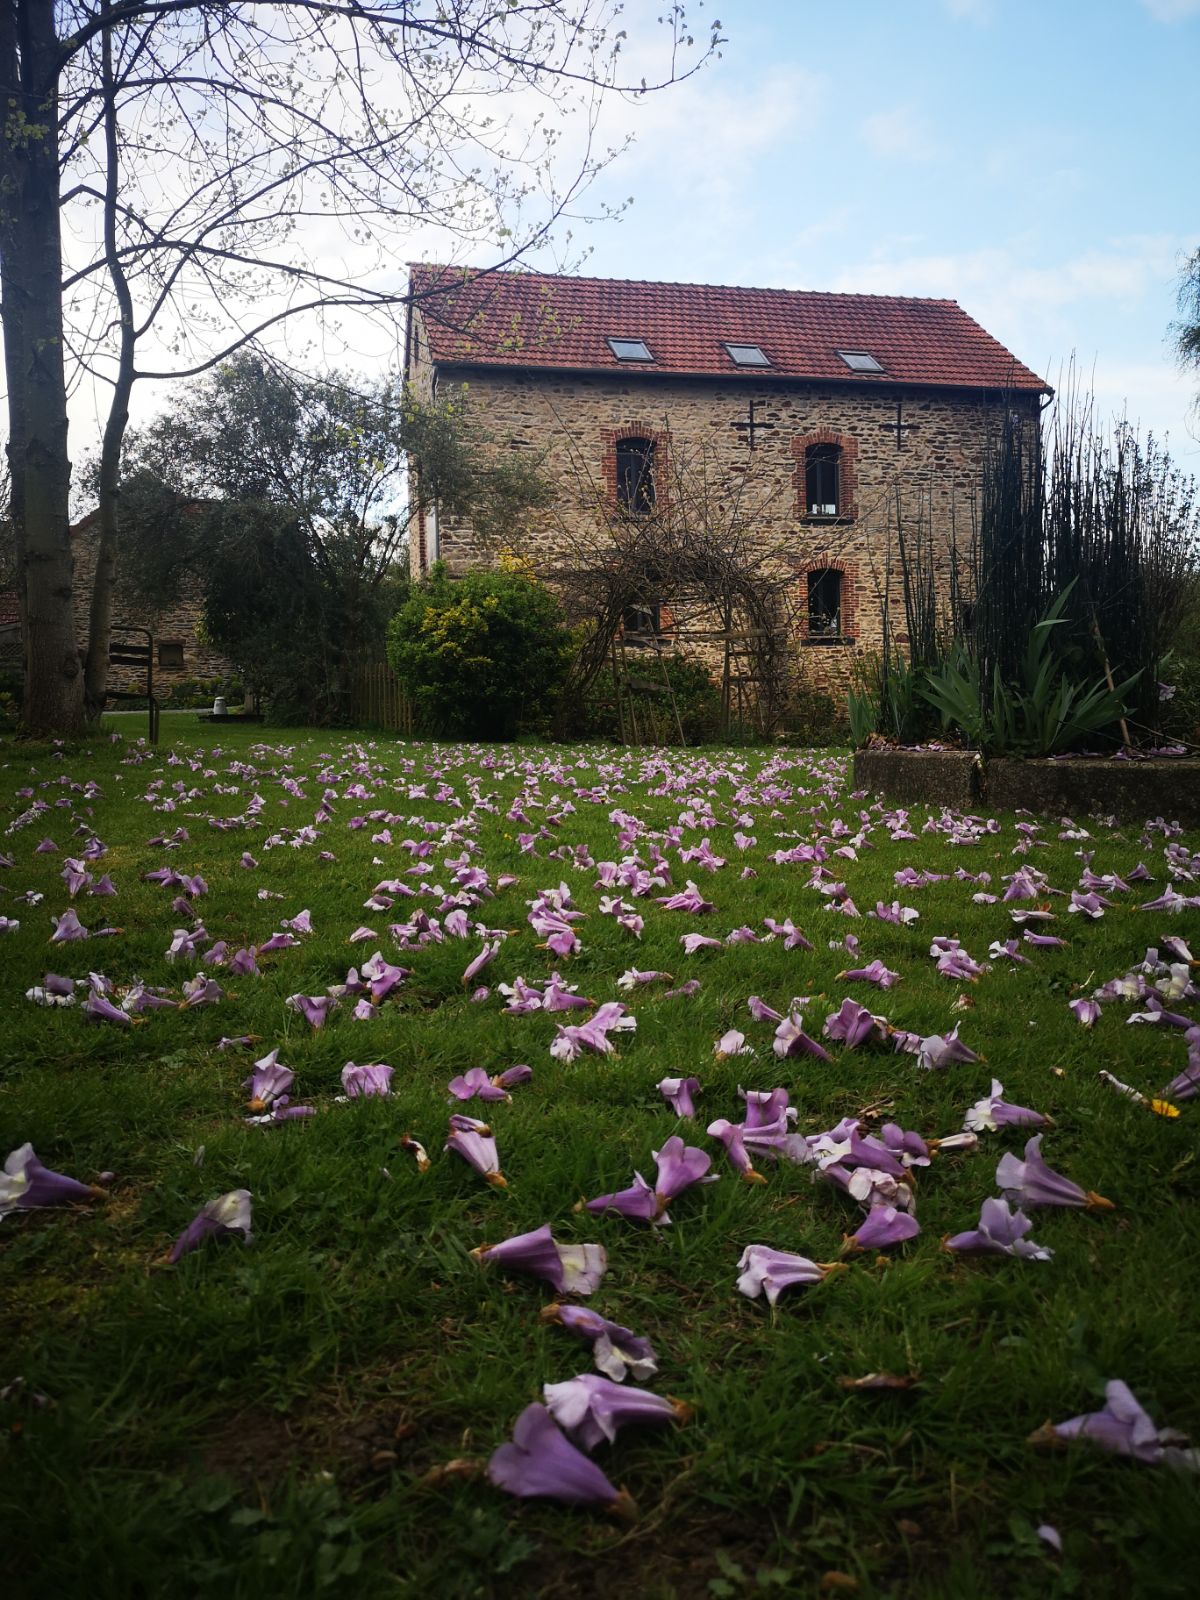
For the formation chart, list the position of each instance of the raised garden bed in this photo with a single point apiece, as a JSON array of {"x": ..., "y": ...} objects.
[{"x": 1131, "y": 790}]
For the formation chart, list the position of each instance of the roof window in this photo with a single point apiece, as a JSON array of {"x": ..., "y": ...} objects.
[
  {"x": 630, "y": 349},
  {"x": 747, "y": 355},
  {"x": 860, "y": 361}
]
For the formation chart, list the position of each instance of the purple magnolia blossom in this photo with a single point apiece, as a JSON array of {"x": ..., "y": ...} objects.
[
  {"x": 894, "y": 913},
  {"x": 277, "y": 941},
  {"x": 632, "y": 978},
  {"x": 473, "y": 1141},
  {"x": 228, "y": 1213},
  {"x": 692, "y": 942},
  {"x": 1187, "y": 1085},
  {"x": 25, "y": 1184},
  {"x": 589, "y": 1409},
  {"x": 679, "y": 1166},
  {"x": 512, "y": 1077},
  {"x": 791, "y": 1040},
  {"x": 1043, "y": 941},
  {"x": 854, "y": 1025},
  {"x": 761, "y": 1012},
  {"x": 679, "y": 1094},
  {"x": 1000, "y": 1232},
  {"x": 874, "y": 972},
  {"x": 362, "y": 1082},
  {"x": 907, "y": 1146},
  {"x": 300, "y": 923},
  {"x": 475, "y": 1084},
  {"x": 314, "y": 1008},
  {"x": 569, "y": 1269},
  {"x": 990, "y": 1113},
  {"x": 1030, "y": 1182},
  {"x": 617, "y": 1352},
  {"x": 884, "y": 1227},
  {"x": 1125, "y": 1429},
  {"x": 766, "y": 1108},
  {"x": 46, "y": 848},
  {"x": 542, "y": 1463},
  {"x": 770, "y": 1272},
  {"x": 268, "y": 1081}
]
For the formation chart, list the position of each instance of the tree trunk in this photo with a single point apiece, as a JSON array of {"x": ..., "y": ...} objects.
[
  {"x": 100, "y": 614},
  {"x": 31, "y": 312}
]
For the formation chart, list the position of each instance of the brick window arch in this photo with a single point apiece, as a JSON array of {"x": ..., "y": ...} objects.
[
  {"x": 827, "y": 602},
  {"x": 634, "y": 468},
  {"x": 826, "y": 476}
]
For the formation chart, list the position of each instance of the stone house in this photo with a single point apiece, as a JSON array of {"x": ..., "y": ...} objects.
[
  {"x": 180, "y": 650},
  {"x": 830, "y": 418}
]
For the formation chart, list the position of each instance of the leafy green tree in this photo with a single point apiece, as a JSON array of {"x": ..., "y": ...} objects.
[
  {"x": 1186, "y": 331},
  {"x": 484, "y": 655},
  {"x": 287, "y": 497}
]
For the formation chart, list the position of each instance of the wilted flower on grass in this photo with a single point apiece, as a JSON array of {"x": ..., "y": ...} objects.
[
  {"x": 679, "y": 1093},
  {"x": 999, "y": 1232},
  {"x": 732, "y": 1043},
  {"x": 97, "y": 1009},
  {"x": 791, "y": 1040},
  {"x": 417, "y": 1150},
  {"x": 475, "y": 1084},
  {"x": 679, "y": 1166},
  {"x": 228, "y": 1213},
  {"x": 1087, "y": 1012},
  {"x": 360, "y": 1082},
  {"x": 473, "y": 1141},
  {"x": 991, "y": 1113},
  {"x": 314, "y": 1008},
  {"x": 612, "y": 1017},
  {"x": 591, "y": 1409},
  {"x": 1125, "y": 1429},
  {"x": 732, "y": 1136},
  {"x": 874, "y": 972},
  {"x": 770, "y": 1272},
  {"x": 485, "y": 956},
  {"x": 268, "y": 1081},
  {"x": 569, "y": 1269},
  {"x": 884, "y": 1227},
  {"x": 616, "y": 1351},
  {"x": 1030, "y": 1182},
  {"x": 853, "y": 1025},
  {"x": 692, "y": 942},
  {"x": 939, "y": 1050},
  {"x": 68, "y": 928},
  {"x": 25, "y": 1184},
  {"x": 542, "y": 1463}
]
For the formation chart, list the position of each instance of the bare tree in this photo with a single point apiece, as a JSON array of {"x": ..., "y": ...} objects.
[{"x": 215, "y": 173}]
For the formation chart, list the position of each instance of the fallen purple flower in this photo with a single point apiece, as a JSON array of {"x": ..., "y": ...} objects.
[
  {"x": 853, "y": 1025},
  {"x": 1030, "y": 1182},
  {"x": 678, "y": 1093},
  {"x": 569, "y": 1269},
  {"x": 791, "y": 1040},
  {"x": 25, "y": 1184},
  {"x": 589, "y": 1409},
  {"x": 1125, "y": 1429},
  {"x": 874, "y": 972},
  {"x": 542, "y": 1463},
  {"x": 999, "y": 1232},
  {"x": 475, "y": 1084},
  {"x": 314, "y": 1008},
  {"x": 473, "y": 1142},
  {"x": 228, "y": 1213},
  {"x": 770, "y": 1272},
  {"x": 616, "y": 1351},
  {"x": 991, "y": 1113},
  {"x": 363, "y": 1082},
  {"x": 884, "y": 1227}
]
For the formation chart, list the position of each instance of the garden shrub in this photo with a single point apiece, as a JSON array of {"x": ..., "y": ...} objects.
[
  {"x": 482, "y": 656},
  {"x": 696, "y": 697}
]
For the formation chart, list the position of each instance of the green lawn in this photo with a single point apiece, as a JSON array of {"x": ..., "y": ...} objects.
[{"x": 271, "y": 1419}]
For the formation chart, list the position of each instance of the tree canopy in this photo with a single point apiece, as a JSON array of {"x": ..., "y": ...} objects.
[{"x": 178, "y": 180}]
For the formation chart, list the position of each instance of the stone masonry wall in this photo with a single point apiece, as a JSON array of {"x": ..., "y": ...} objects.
[
  {"x": 175, "y": 627},
  {"x": 575, "y": 420}
]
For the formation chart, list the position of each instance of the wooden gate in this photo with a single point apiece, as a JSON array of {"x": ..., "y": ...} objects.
[{"x": 378, "y": 701}]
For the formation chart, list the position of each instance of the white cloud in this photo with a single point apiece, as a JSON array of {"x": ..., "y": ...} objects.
[
  {"x": 1172, "y": 10},
  {"x": 901, "y": 134}
]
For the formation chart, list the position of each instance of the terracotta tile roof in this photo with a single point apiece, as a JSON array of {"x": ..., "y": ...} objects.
[{"x": 528, "y": 319}]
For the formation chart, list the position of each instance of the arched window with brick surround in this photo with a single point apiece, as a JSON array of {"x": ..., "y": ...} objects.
[
  {"x": 634, "y": 469},
  {"x": 827, "y": 600},
  {"x": 826, "y": 476}
]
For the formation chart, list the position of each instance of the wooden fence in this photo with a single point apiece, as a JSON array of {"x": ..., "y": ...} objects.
[{"x": 378, "y": 701}]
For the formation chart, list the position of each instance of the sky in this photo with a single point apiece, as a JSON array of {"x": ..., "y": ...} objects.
[
  {"x": 1034, "y": 160},
  {"x": 1031, "y": 159}
]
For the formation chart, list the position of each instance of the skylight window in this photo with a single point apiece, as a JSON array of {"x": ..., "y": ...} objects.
[
  {"x": 630, "y": 349},
  {"x": 747, "y": 355},
  {"x": 860, "y": 361}
]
